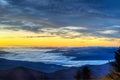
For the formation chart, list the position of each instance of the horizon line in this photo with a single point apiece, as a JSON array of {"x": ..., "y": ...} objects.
[{"x": 52, "y": 46}]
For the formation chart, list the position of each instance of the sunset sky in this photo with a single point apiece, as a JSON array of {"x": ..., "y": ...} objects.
[{"x": 59, "y": 23}]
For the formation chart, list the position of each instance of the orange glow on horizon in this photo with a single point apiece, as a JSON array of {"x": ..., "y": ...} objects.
[
  {"x": 55, "y": 42},
  {"x": 19, "y": 38}
]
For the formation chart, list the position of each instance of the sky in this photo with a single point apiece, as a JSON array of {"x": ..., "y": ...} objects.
[{"x": 59, "y": 23}]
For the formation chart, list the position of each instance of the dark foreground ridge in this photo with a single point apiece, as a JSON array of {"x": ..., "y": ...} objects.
[{"x": 18, "y": 70}]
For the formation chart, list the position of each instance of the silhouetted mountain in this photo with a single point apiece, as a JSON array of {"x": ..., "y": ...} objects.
[
  {"x": 21, "y": 73},
  {"x": 84, "y": 53},
  {"x": 10, "y": 70}
]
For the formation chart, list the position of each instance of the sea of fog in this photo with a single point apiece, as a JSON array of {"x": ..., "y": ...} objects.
[{"x": 62, "y": 56}]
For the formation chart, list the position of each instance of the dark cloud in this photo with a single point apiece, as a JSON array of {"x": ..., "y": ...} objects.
[
  {"x": 103, "y": 8},
  {"x": 34, "y": 15}
]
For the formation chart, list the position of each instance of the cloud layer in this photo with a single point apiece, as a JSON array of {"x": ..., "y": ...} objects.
[{"x": 64, "y": 18}]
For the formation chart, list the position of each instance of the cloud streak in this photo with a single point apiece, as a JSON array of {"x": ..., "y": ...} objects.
[{"x": 64, "y": 18}]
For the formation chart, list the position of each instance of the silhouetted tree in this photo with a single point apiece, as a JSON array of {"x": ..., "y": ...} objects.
[
  {"x": 86, "y": 73},
  {"x": 115, "y": 75},
  {"x": 117, "y": 60},
  {"x": 78, "y": 75}
]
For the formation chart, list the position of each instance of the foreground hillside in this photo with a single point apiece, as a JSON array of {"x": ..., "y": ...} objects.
[{"x": 26, "y": 71}]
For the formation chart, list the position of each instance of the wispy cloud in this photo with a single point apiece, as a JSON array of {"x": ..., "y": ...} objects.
[
  {"x": 66, "y": 18},
  {"x": 109, "y": 32},
  {"x": 75, "y": 28}
]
